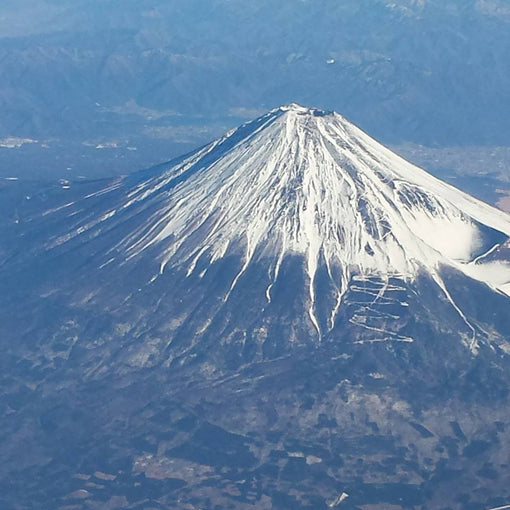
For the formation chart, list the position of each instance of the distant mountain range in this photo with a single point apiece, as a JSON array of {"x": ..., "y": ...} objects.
[
  {"x": 290, "y": 317},
  {"x": 135, "y": 73}
]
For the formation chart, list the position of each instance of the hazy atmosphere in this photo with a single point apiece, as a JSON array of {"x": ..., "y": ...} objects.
[{"x": 254, "y": 254}]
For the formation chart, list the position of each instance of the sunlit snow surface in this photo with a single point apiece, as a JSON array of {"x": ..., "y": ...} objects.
[{"x": 304, "y": 181}]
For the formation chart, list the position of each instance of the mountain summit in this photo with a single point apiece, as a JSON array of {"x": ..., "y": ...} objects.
[
  {"x": 292, "y": 305},
  {"x": 305, "y": 181}
]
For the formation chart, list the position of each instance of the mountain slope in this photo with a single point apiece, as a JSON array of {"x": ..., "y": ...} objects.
[{"x": 287, "y": 314}]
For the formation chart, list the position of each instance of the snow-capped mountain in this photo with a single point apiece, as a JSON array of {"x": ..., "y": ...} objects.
[
  {"x": 301, "y": 181},
  {"x": 292, "y": 269},
  {"x": 305, "y": 181}
]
